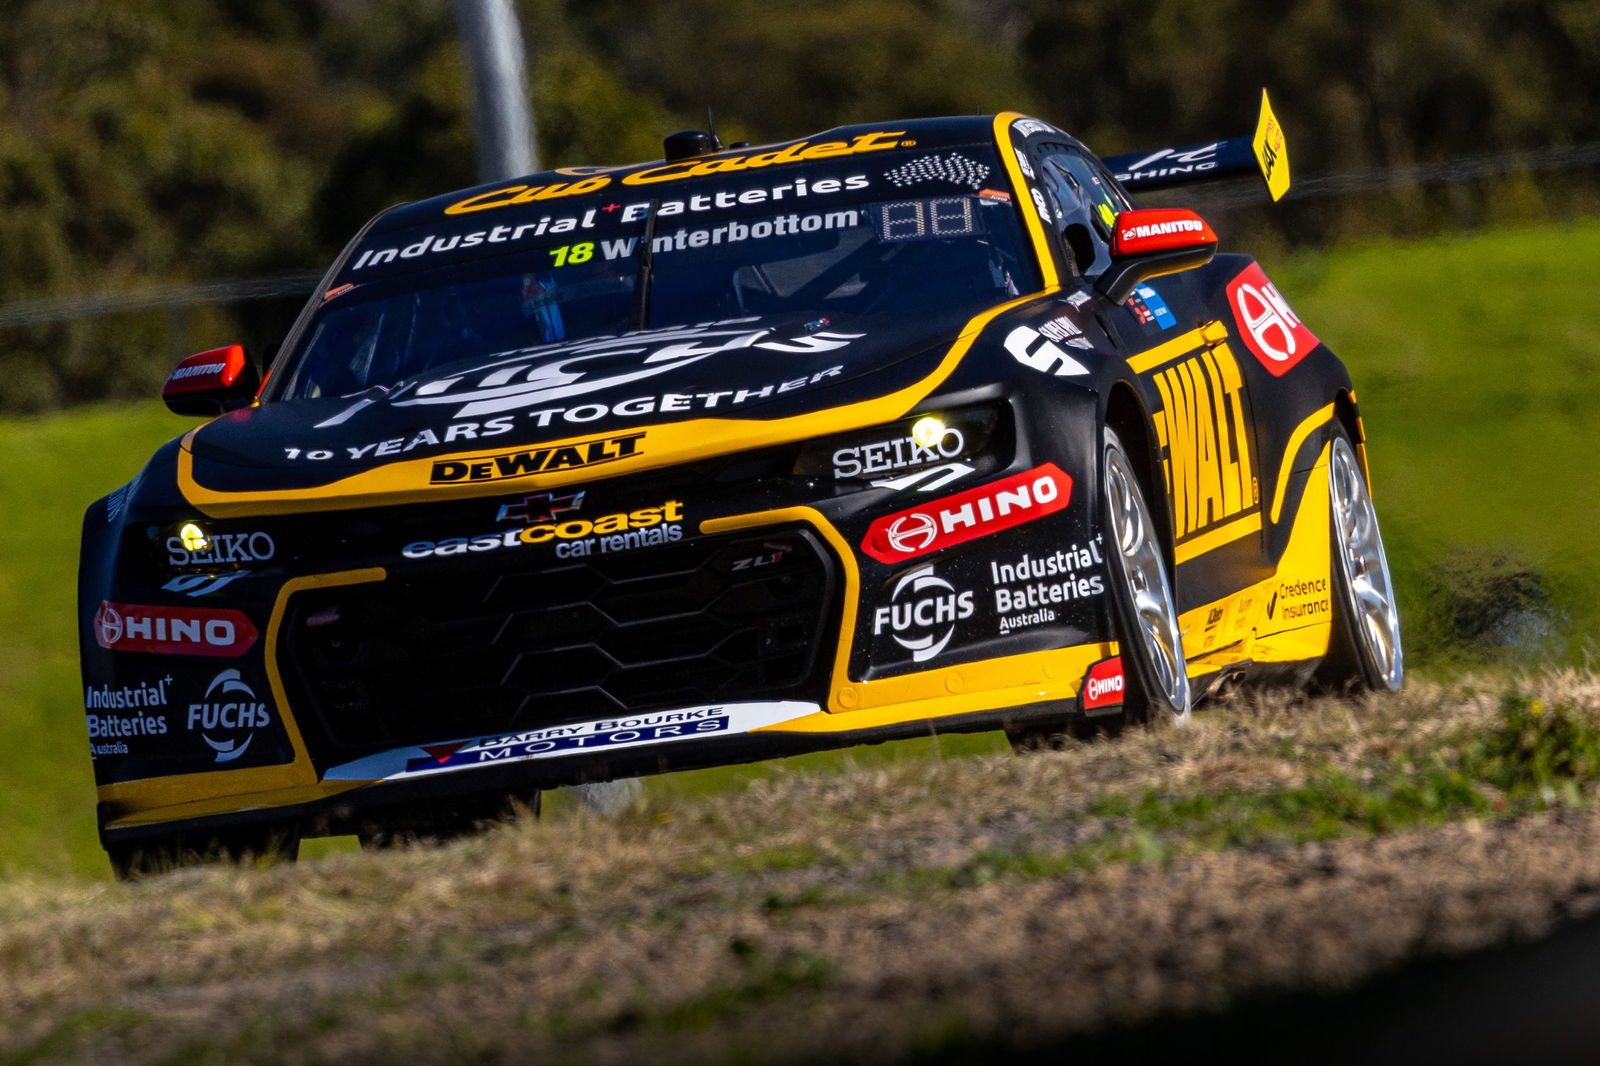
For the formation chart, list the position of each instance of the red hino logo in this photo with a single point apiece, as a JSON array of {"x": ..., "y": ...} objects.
[
  {"x": 173, "y": 630},
  {"x": 911, "y": 533},
  {"x": 1104, "y": 685},
  {"x": 968, "y": 515},
  {"x": 1272, "y": 332}
]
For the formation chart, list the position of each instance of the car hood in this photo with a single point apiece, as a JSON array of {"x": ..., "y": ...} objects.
[{"x": 658, "y": 396}]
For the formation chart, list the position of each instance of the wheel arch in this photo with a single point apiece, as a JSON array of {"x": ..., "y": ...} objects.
[{"x": 1125, "y": 413}]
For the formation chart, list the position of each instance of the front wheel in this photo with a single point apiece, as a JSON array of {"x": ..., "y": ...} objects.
[
  {"x": 1364, "y": 650},
  {"x": 1143, "y": 604}
]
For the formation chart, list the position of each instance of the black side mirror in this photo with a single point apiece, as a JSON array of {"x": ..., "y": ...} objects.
[
  {"x": 1147, "y": 244},
  {"x": 209, "y": 383}
]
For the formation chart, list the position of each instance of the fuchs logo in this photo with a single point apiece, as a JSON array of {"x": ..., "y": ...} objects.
[
  {"x": 1272, "y": 332},
  {"x": 536, "y": 460},
  {"x": 922, "y": 613},
  {"x": 232, "y": 712},
  {"x": 1105, "y": 685},
  {"x": 173, "y": 630},
  {"x": 539, "y": 507},
  {"x": 968, "y": 515}
]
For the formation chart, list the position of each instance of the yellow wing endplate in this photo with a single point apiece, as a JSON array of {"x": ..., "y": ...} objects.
[{"x": 1272, "y": 150}]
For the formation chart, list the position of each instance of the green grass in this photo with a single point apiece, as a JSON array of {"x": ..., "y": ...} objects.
[
  {"x": 1477, "y": 361},
  {"x": 53, "y": 468}
]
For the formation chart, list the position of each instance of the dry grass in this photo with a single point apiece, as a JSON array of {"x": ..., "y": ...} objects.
[{"x": 873, "y": 914}]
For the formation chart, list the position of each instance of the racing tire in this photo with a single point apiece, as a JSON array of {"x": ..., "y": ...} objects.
[
  {"x": 149, "y": 857},
  {"x": 1143, "y": 605},
  {"x": 1144, "y": 610},
  {"x": 1364, "y": 647}
]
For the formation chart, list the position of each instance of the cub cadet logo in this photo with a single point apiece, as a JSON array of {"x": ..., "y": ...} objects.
[
  {"x": 1201, "y": 426},
  {"x": 536, "y": 460},
  {"x": 968, "y": 515},
  {"x": 526, "y": 194},
  {"x": 173, "y": 630},
  {"x": 866, "y": 142},
  {"x": 1161, "y": 229}
]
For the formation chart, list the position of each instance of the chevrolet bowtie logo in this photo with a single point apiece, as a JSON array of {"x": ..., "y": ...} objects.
[{"x": 540, "y": 507}]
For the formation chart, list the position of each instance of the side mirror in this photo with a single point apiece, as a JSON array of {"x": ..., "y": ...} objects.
[
  {"x": 209, "y": 383},
  {"x": 1147, "y": 244}
]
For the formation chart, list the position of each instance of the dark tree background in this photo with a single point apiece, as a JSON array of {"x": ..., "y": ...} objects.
[{"x": 148, "y": 142}]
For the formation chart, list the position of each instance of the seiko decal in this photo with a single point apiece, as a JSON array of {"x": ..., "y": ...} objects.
[
  {"x": 1033, "y": 350},
  {"x": 223, "y": 548},
  {"x": 577, "y": 739},
  {"x": 1272, "y": 332},
  {"x": 968, "y": 515},
  {"x": 1027, "y": 589},
  {"x": 173, "y": 630},
  {"x": 922, "y": 613},
  {"x": 898, "y": 453},
  {"x": 228, "y": 715}
]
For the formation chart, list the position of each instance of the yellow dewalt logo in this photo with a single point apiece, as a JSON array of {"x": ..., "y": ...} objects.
[{"x": 1205, "y": 445}]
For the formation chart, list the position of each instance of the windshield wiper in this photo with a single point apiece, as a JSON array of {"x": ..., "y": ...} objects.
[{"x": 646, "y": 256}]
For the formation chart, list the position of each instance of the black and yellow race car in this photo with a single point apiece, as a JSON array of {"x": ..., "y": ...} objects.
[{"x": 738, "y": 453}]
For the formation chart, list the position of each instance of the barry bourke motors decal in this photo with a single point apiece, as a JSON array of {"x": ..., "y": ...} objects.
[
  {"x": 577, "y": 738},
  {"x": 531, "y": 380}
]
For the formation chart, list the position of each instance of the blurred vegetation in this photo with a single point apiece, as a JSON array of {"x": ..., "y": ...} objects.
[{"x": 148, "y": 142}]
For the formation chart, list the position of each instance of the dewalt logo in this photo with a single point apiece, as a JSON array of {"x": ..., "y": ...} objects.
[
  {"x": 536, "y": 460},
  {"x": 1205, "y": 445}
]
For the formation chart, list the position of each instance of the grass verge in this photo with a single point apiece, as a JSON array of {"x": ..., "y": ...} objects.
[{"x": 882, "y": 911}]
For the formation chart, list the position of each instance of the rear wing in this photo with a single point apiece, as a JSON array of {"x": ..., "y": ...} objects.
[{"x": 1265, "y": 152}]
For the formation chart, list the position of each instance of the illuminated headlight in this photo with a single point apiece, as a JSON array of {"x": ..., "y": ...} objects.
[
  {"x": 881, "y": 452},
  {"x": 200, "y": 544}
]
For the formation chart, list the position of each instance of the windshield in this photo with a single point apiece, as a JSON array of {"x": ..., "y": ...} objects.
[{"x": 864, "y": 256}]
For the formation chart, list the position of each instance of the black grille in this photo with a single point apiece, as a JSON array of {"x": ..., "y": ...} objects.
[{"x": 475, "y": 648}]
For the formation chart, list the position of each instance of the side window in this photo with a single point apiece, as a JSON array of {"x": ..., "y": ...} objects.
[{"x": 1084, "y": 203}]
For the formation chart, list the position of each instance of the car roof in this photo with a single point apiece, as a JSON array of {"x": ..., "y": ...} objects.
[{"x": 935, "y": 132}]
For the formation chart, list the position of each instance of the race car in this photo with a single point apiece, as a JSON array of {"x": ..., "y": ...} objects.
[{"x": 899, "y": 428}]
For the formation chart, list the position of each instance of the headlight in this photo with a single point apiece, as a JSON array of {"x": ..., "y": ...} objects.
[{"x": 918, "y": 443}]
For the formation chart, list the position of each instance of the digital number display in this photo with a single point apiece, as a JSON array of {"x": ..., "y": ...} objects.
[{"x": 921, "y": 220}]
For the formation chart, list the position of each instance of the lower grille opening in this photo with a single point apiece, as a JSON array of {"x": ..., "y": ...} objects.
[{"x": 475, "y": 649}]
